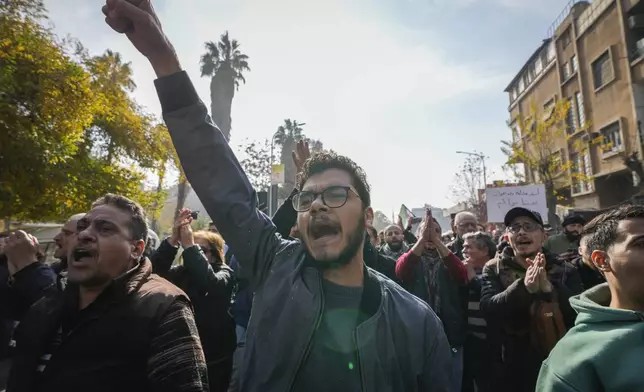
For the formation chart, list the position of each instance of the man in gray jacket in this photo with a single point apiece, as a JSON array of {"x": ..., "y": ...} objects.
[{"x": 321, "y": 320}]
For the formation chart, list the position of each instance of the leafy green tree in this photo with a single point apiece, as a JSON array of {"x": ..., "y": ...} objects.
[
  {"x": 57, "y": 115},
  {"x": 536, "y": 145},
  {"x": 120, "y": 128},
  {"x": 46, "y": 103},
  {"x": 225, "y": 64}
]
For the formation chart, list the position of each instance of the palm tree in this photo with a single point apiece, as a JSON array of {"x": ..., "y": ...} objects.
[
  {"x": 287, "y": 136},
  {"x": 224, "y": 63}
]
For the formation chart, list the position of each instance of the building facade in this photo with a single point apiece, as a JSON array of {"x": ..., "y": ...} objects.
[{"x": 594, "y": 58}]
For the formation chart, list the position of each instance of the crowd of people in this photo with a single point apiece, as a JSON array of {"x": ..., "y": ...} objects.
[{"x": 313, "y": 298}]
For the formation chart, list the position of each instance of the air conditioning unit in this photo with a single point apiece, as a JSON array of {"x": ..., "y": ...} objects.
[{"x": 636, "y": 22}]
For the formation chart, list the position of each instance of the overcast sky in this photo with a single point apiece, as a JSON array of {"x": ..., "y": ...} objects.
[{"x": 397, "y": 85}]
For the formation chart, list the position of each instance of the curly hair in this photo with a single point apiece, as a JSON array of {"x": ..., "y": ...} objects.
[{"x": 321, "y": 162}]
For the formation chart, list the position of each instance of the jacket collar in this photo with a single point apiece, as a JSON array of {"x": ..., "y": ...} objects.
[
  {"x": 121, "y": 286},
  {"x": 371, "y": 293}
]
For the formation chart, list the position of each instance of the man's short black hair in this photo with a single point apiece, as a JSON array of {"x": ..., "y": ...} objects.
[
  {"x": 601, "y": 232},
  {"x": 321, "y": 162},
  {"x": 138, "y": 224}
]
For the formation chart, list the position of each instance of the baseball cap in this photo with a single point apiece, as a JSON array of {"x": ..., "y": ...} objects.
[{"x": 520, "y": 211}]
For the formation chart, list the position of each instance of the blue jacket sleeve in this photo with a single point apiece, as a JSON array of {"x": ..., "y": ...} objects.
[
  {"x": 217, "y": 177},
  {"x": 30, "y": 283}
]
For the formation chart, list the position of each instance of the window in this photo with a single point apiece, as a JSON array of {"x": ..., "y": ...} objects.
[
  {"x": 582, "y": 172},
  {"x": 516, "y": 132},
  {"x": 570, "y": 118},
  {"x": 575, "y": 65},
  {"x": 521, "y": 86},
  {"x": 556, "y": 161},
  {"x": 581, "y": 116},
  {"x": 551, "y": 52},
  {"x": 538, "y": 65},
  {"x": 565, "y": 71},
  {"x": 602, "y": 70},
  {"x": 565, "y": 39},
  {"x": 548, "y": 109},
  {"x": 612, "y": 141}
]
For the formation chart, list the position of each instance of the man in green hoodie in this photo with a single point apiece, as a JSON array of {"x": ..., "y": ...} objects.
[{"x": 603, "y": 351}]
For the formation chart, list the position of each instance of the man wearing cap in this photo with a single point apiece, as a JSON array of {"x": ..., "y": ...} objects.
[
  {"x": 566, "y": 244},
  {"x": 524, "y": 274}
]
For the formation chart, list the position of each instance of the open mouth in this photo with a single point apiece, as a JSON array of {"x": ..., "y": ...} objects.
[
  {"x": 81, "y": 255},
  {"x": 524, "y": 242},
  {"x": 322, "y": 230}
]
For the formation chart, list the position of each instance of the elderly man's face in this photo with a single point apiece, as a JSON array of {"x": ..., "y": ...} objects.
[{"x": 465, "y": 223}]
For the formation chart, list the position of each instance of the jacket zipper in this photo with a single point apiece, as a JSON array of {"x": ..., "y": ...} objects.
[
  {"x": 358, "y": 362},
  {"x": 318, "y": 320}
]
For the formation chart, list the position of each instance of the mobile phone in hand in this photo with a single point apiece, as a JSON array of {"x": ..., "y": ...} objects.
[{"x": 194, "y": 214}]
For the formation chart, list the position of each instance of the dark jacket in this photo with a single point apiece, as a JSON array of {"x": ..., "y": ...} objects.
[
  {"x": 17, "y": 294},
  {"x": 243, "y": 303},
  {"x": 138, "y": 335},
  {"x": 60, "y": 269},
  {"x": 445, "y": 292},
  {"x": 210, "y": 288},
  {"x": 285, "y": 218},
  {"x": 400, "y": 347},
  {"x": 506, "y": 302},
  {"x": 589, "y": 277},
  {"x": 456, "y": 246}
]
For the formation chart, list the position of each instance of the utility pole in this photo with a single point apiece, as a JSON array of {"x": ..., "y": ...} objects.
[{"x": 272, "y": 189}]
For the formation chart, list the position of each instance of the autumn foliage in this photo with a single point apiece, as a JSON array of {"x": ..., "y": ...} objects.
[{"x": 69, "y": 130}]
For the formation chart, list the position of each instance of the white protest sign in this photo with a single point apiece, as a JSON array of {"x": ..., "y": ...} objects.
[{"x": 501, "y": 200}]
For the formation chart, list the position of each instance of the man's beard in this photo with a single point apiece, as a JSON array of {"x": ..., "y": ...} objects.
[
  {"x": 572, "y": 236},
  {"x": 395, "y": 246},
  {"x": 354, "y": 244}
]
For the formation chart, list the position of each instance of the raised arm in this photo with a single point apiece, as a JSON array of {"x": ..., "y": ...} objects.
[{"x": 207, "y": 160}]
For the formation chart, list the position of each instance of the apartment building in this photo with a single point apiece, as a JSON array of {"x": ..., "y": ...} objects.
[{"x": 593, "y": 56}]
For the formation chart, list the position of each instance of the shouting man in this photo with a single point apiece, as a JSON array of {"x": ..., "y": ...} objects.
[
  {"x": 520, "y": 280},
  {"x": 395, "y": 245},
  {"x": 321, "y": 320},
  {"x": 62, "y": 240},
  {"x": 116, "y": 327}
]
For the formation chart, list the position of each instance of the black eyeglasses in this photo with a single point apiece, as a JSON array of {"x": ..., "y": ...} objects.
[
  {"x": 332, "y": 197},
  {"x": 204, "y": 249},
  {"x": 528, "y": 227}
]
